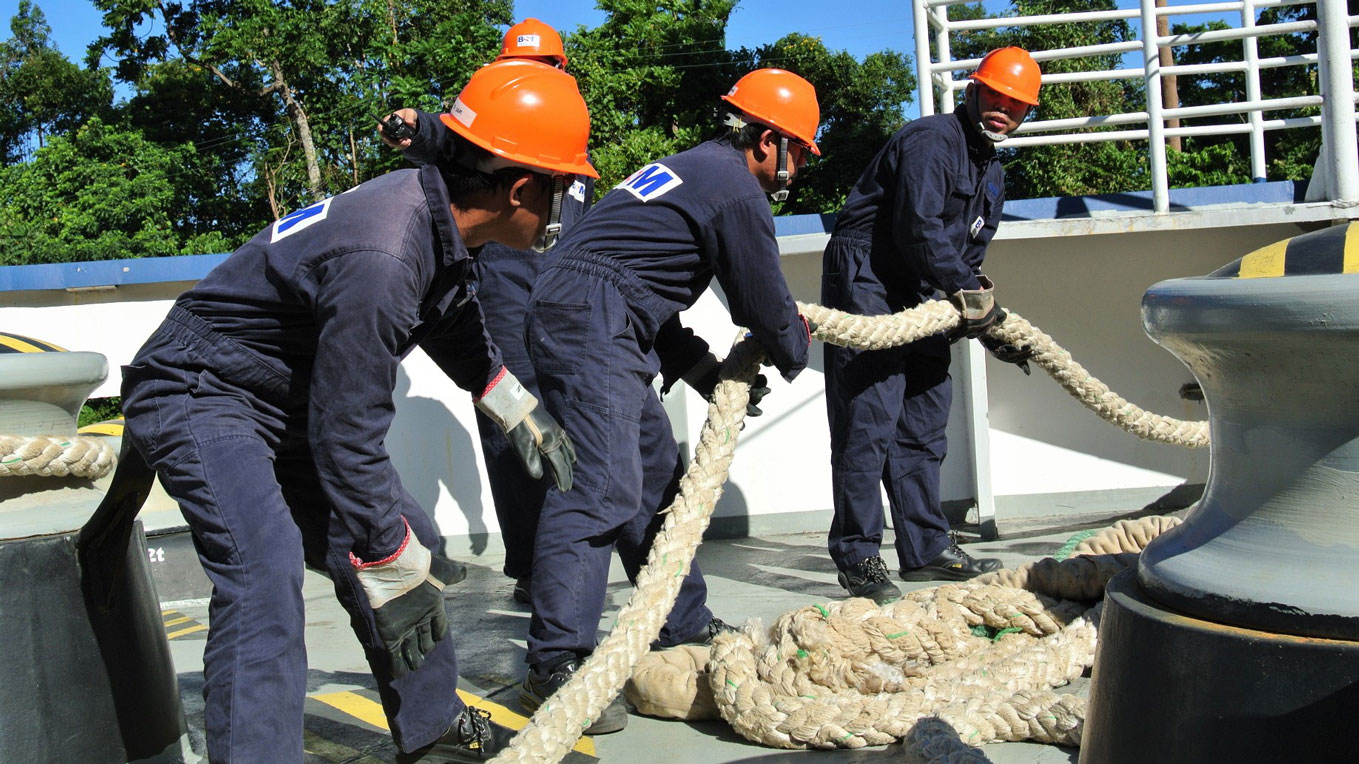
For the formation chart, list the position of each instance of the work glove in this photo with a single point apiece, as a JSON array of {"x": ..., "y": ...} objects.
[
  {"x": 703, "y": 378},
  {"x": 1004, "y": 351},
  {"x": 406, "y": 593},
  {"x": 534, "y": 435},
  {"x": 978, "y": 309}
]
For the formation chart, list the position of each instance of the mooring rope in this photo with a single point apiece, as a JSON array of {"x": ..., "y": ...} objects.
[
  {"x": 1041, "y": 715},
  {"x": 54, "y": 456}
]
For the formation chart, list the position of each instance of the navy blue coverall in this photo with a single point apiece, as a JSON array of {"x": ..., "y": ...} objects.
[
  {"x": 263, "y": 402},
  {"x": 502, "y": 278},
  {"x": 916, "y": 224},
  {"x": 603, "y": 322}
]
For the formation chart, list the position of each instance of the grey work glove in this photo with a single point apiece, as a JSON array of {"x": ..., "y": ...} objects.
[
  {"x": 406, "y": 593},
  {"x": 533, "y": 434},
  {"x": 705, "y": 374},
  {"x": 978, "y": 309}
]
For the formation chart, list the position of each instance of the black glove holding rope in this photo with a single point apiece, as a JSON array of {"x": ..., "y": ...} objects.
[
  {"x": 705, "y": 374},
  {"x": 1001, "y": 350}
]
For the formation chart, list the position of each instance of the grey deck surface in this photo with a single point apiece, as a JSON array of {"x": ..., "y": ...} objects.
[{"x": 747, "y": 578}]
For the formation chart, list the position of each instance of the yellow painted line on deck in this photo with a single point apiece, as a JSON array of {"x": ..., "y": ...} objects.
[
  {"x": 316, "y": 745},
  {"x": 191, "y": 630},
  {"x": 370, "y": 712},
  {"x": 1265, "y": 262},
  {"x": 178, "y": 621}
]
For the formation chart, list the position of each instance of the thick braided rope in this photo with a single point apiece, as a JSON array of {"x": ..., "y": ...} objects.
[
  {"x": 54, "y": 456},
  {"x": 1083, "y": 575},
  {"x": 1004, "y": 697},
  {"x": 819, "y": 676},
  {"x": 931, "y": 317},
  {"x": 558, "y": 723}
]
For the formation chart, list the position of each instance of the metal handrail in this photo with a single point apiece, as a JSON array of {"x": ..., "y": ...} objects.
[{"x": 1334, "y": 59}]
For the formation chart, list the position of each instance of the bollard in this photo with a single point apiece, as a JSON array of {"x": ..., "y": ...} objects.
[
  {"x": 85, "y": 679},
  {"x": 1238, "y": 637}
]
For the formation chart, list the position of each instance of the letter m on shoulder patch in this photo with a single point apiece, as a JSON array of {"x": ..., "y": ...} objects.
[{"x": 651, "y": 181}]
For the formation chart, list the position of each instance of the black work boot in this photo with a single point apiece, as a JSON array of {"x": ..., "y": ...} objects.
[
  {"x": 703, "y": 636},
  {"x": 869, "y": 579},
  {"x": 523, "y": 590},
  {"x": 545, "y": 678},
  {"x": 952, "y": 564},
  {"x": 472, "y": 737}
]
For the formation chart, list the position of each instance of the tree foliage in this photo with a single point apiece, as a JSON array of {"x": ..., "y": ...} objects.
[
  {"x": 1115, "y": 166},
  {"x": 99, "y": 193}
]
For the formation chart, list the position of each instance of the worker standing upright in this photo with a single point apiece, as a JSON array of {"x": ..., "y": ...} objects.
[{"x": 916, "y": 224}]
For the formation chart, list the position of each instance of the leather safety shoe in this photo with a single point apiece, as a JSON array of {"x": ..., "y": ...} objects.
[
  {"x": 472, "y": 738},
  {"x": 869, "y": 579},
  {"x": 952, "y": 564},
  {"x": 523, "y": 590},
  {"x": 543, "y": 679},
  {"x": 703, "y": 636}
]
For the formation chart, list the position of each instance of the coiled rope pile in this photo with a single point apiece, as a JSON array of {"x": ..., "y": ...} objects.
[
  {"x": 1067, "y": 631},
  {"x": 54, "y": 456}
]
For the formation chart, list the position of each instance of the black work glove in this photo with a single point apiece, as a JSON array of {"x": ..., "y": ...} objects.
[
  {"x": 1004, "y": 351},
  {"x": 978, "y": 308},
  {"x": 540, "y": 438},
  {"x": 704, "y": 376},
  {"x": 406, "y": 593},
  {"x": 533, "y": 434}
]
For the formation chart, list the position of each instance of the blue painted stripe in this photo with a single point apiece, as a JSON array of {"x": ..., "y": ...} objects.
[
  {"x": 151, "y": 270},
  {"x": 142, "y": 270}
]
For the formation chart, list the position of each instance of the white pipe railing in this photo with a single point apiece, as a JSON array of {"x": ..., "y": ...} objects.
[{"x": 1339, "y": 169}]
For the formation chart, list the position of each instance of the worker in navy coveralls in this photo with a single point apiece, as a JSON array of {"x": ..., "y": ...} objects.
[
  {"x": 604, "y": 322},
  {"x": 502, "y": 277},
  {"x": 264, "y": 399},
  {"x": 917, "y": 223}
]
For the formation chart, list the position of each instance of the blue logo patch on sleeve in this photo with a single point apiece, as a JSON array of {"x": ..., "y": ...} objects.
[
  {"x": 577, "y": 191},
  {"x": 651, "y": 181},
  {"x": 300, "y": 219}
]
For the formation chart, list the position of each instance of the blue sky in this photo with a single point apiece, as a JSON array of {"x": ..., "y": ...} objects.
[{"x": 859, "y": 26}]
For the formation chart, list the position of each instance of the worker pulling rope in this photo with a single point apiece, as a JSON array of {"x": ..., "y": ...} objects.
[{"x": 556, "y": 726}]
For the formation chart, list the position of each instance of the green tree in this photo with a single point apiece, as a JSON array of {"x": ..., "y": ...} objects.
[
  {"x": 41, "y": 91},
  {"x": 651, "y": 74},
  {"x": 99, "y": 193},
  {"x": 861, "y": 106},
  {"x": 323, "y": 67},
  {"x": 1070, "y": 169}
]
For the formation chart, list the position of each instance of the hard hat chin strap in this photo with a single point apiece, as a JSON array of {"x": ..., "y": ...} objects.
[
  {"x": 553, "y": 229},
  {"x": 974, "y": 114},
  {"x": 782, "y": 174}
]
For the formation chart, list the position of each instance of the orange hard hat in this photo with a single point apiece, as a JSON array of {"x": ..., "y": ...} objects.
[
  {"x": 532, "y": 38},
  {"x": 525, "y": 112},
  {"x": 780, "y": 99},
  {"x": 1011, "y": 71}
]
